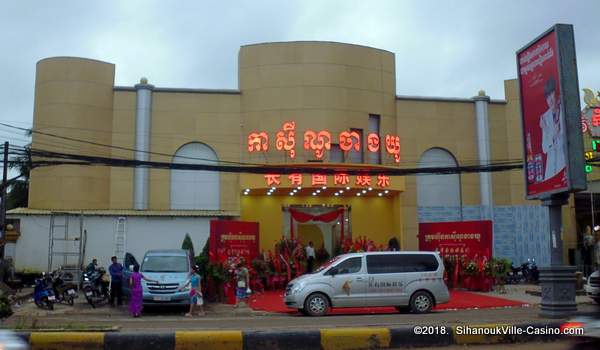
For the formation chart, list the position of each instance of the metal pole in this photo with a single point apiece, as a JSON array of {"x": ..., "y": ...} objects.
[
  {"x": 3, "y": 205},
  {"x": 557, "y": 280},
  {"x": 593, "y": 222}
]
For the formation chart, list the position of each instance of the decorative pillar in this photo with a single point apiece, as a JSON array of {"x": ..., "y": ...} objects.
[
  {"x": 143, "y": 117},
  {"x": 557, "y": 280},
  {"x": 483, "y": 147}
]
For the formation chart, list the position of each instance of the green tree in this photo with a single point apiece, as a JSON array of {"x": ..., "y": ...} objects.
[
  {"x": 18, "y": 189},
  {"x": 188, "y": 244}
]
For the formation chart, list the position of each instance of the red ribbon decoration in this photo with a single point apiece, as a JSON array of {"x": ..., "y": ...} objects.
[{"x": 325, "y": 217}]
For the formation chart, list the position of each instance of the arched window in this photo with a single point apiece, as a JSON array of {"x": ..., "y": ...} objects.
[
  {"x": 438, "y": 190},
  {"x": 195, "y": 189}
]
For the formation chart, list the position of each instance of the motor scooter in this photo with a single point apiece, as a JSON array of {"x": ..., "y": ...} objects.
[
  {"x": 43, "y": 295},
  {"x": 65, "y": 292},
  {"x": 95, "y": 288}
]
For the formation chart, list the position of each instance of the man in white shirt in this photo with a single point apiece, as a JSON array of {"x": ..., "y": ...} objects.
[
  {"x": 310, "y": 257},
  {"x": 553, "y": 130}
]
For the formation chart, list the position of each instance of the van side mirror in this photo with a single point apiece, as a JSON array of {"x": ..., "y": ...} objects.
[{"x": 333, "y": 271}]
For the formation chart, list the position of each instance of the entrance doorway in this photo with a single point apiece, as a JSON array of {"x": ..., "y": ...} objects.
[{"x": 326, "y": 226}]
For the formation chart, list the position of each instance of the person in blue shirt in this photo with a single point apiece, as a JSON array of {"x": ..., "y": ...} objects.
[
  {"x": 195, "y": 292},
  {"x": 91, "y": 268},
  {"x": 116, "y": 282}
]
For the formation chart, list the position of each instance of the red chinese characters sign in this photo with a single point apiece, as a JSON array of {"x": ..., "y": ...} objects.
[
  {"x": 460, "y": 238},
  {"x": 233, "y": 239},
  {"x": 318, "y": 142},
  {"x": 319, "y": 180}
]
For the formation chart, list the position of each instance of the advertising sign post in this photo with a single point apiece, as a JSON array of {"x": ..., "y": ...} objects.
[{"x": 553, "y": 148}]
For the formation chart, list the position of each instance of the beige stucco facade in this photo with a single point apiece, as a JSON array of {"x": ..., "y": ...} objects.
[{"x": 319, "y": 85}]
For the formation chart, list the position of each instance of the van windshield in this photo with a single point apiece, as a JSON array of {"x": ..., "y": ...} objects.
[
  {"x": 165, "y": 264},
  {"x": 326, "y": 264}
]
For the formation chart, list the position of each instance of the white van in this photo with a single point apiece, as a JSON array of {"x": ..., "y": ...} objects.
[{"x": 409, "y": 281}]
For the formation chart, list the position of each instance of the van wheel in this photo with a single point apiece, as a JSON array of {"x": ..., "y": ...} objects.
[
  {"x": 316, "y": 305},
  {"x": 403, "y": 309},
  {"x": 421, "y": 302}
]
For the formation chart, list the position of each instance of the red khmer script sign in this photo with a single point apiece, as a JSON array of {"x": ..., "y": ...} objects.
[
  {"x": 232, "y": 239},
  {"x": 461, "y": 238}
]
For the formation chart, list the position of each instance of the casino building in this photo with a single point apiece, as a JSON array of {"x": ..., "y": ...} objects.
[{"x": 298, "y": 104}]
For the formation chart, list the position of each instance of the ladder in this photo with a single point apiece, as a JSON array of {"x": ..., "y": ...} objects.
[
  {"x": 65, "y": 249},
  {"x": 120, "y": 241}
]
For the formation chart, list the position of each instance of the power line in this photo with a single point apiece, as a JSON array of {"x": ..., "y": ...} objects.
[
  {"x": 50, "y": 158},
  {"x": 37, "y": 131},
  {"x": 119, "y": 147}
]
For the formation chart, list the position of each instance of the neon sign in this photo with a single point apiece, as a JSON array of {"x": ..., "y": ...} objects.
[
  {"x": 341, "y": 179},
  {"x": 373, "y": 142},
  {"x": 258, "y": 141},
  {"x": 295, "y": 179},
  {"x": 317, "y": 142},
  {"x": 320, "y": 141},
  {"x": 349, "y": 140},
  {"x": 318, "y": 180},
  {"x": 392, "y": 146},
  {"x": 285, "y": 140}
]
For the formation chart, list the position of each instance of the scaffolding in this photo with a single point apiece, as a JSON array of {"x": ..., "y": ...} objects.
[{"x": 66, "y": 248}]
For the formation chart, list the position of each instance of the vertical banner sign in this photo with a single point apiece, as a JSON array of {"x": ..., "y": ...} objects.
[
  {"x": 550, "y": 114},
  {"x": 233, "y": 239},
  {"x": 461, "y": 238}
]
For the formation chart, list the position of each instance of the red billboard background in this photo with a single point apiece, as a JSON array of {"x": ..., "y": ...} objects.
[
  {"x": 461, "y": 238},
  {"x": 233, "y": 239},
  {"x": 537, "y": 64}
]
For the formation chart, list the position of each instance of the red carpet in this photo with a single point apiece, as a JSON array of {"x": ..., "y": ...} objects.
[{"x": 273, "y": 302}]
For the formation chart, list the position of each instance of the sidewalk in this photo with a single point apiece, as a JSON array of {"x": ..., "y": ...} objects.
[{"x": 517, "y": 292}]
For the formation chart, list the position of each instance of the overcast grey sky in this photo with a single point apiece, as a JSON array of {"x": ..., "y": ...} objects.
[{"x": 443, "y": 48}]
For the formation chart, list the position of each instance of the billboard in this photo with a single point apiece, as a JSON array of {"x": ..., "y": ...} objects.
[
  {"x": 233, "y": 239},
  {"x": 550, "y": 114},
  {"x": 468, "y": 239}
]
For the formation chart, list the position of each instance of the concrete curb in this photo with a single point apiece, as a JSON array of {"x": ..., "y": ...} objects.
[{"x": 325, "y": 339}]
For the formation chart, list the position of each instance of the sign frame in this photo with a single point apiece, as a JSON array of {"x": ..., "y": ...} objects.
[{"x": 570, "y": 108}]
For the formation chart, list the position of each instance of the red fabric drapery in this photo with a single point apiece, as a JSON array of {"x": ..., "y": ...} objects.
[{"x": 325, "y": 217}]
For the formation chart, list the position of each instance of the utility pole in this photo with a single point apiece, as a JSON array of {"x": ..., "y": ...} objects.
[{"x": 3, "y": 204}]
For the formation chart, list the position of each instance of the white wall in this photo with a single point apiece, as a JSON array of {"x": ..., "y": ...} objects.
[
  {"x": 142, "y": 234},
  {"x": 438, "y": 190},
  {"x": 192, "y": 189}
]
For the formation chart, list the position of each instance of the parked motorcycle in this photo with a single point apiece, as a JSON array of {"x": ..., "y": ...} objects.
[
  {"x": 515, "y": 275},
  {"x": 533, "y": 274},
  {"x": 65, "y": 292},
  {"x": 43, "y": 295},
  {"x": 526, "y": 272},
  {"x": 95, "y": 287}
]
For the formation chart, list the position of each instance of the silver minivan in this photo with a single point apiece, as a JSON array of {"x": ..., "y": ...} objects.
[{"x": 409, "y": 281}]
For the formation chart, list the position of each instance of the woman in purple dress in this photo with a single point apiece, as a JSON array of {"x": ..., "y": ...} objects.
[{"x": 137, "y": 293}]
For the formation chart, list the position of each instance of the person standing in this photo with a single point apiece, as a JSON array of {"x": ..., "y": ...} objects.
[
  {"x": 195, "y": 292},
  {"x": 243, "y": 281},
  {"x": 310, "y": 257},
  {"x": 137, "y": 292},
  {"x": 587, "y": 251},
  {"x": 597, "y": 251},
  {"x": 91, "y": 268},
  {"x": 116, "y": 282},
  {"x": 551, "y": 123}
]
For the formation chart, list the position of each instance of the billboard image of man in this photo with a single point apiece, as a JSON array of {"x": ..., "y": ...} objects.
[{"x": 551, "y": 123}]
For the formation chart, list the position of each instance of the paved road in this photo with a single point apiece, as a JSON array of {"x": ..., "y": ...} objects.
[
  {"x": 227, "y": 318},
  {"x": 561, "y": 345}
]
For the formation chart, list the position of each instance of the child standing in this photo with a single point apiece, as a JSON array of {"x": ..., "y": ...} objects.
[
  {"x": 195, "y": 292},
  {"x": 243, "y": 281}
]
